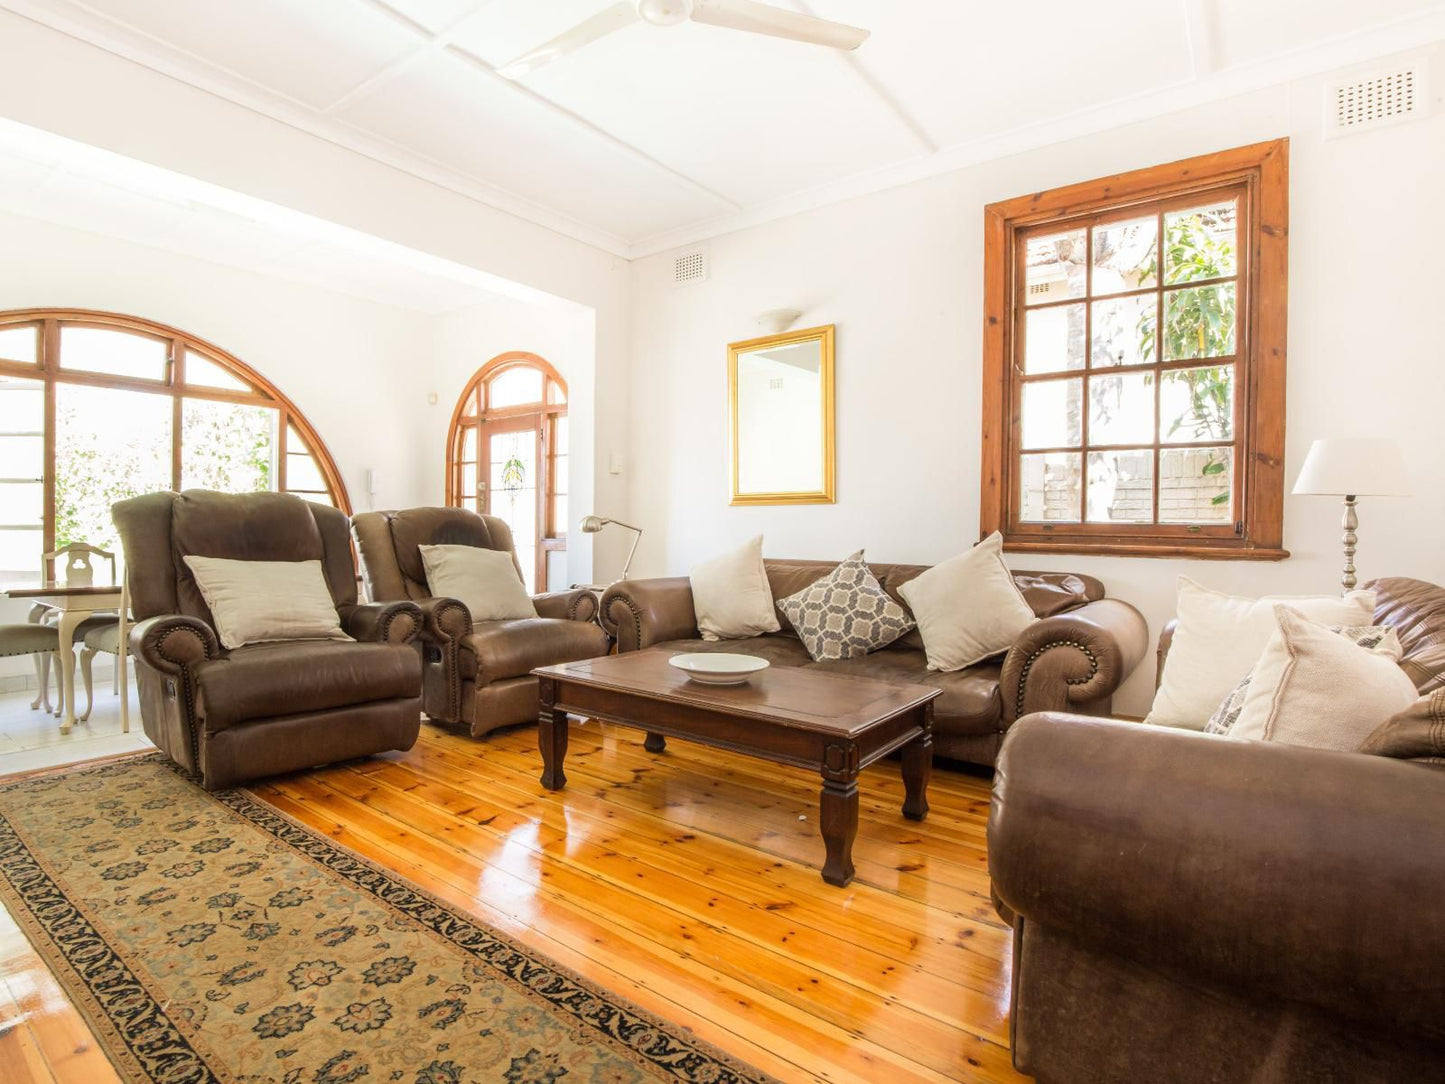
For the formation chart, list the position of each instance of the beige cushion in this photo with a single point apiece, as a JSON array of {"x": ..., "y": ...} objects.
[
  {"x": 485, "y": 580},
  {"x": 1312, "y": 686},
  {"x": 968, "y": 607},
  {"x": 1219, "y": 637},
  {"x": 730, "y": 594},
  {"x": 256, "y": 601}
]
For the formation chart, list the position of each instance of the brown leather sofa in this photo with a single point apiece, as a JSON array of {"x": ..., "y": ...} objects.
[
  {"x": 1191, "y": 908},
  {"x": 267, "y": 708},
  {"x": 476, "y": 673},
  {"x": 1074, "y": 658}
]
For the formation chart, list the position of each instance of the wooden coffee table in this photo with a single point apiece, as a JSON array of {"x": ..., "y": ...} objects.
[{"x": 831, "y": 723}]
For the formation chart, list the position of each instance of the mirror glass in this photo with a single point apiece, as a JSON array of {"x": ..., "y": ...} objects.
[{"x": 782, "y": 418}]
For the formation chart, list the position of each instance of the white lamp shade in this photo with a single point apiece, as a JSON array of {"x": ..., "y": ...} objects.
[{"x": 1354, "y": 467}]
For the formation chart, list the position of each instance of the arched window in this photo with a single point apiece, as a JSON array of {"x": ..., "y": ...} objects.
[
  {"x": 96, "y": 407},
  {"x": 507, "y": 457}
]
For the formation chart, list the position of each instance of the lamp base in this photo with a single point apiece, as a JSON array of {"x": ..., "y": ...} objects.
[{"x": 1349, "y": 523}]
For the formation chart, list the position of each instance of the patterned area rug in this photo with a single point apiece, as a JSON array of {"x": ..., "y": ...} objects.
[{"x": 209, "y": 938}]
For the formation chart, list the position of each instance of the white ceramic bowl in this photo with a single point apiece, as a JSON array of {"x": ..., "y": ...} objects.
[{"x": 717, "y": 667}]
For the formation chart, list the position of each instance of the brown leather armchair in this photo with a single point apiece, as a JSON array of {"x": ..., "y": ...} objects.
[
  {"x": 1191, "y": 908},
  {"x": 265, "y": 708},
  {"x": 476, "y": 673}
]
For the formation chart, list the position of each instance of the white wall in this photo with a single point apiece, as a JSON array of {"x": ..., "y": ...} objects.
[{"x": 900, "y": 273}]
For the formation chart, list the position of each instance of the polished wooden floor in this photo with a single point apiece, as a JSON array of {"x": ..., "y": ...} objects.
[{"x": 686, "y": 881}]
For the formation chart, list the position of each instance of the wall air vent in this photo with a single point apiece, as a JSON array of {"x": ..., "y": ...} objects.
[
  {"x": 689, "y": 268},
  {"x": 1376, "y": 99}
]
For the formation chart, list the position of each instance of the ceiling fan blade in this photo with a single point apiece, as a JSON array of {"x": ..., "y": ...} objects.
[
  {"x": 623, "y": 13},
  {"x": 759, "y": 18}
]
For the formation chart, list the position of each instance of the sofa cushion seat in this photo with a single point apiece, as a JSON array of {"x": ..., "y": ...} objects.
[
  {"x": 515, "y": 648},
  {"x": 780, "y": 650},
  {"x": 970, "y": 703},
  {"x": 262, "y": 681}
]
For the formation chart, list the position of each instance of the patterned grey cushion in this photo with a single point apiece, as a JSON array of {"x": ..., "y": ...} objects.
[
  {"x": 1227, "y": 714},
  {"x": 846, "y": 613}
]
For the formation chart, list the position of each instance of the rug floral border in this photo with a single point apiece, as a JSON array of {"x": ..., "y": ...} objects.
[{"x": 147, "y": 1045}]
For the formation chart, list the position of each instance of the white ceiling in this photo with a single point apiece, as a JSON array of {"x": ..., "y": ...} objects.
[{"x": 655, "y": 137}]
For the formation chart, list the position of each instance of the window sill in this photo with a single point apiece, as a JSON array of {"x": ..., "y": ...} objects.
[{"x": 1197, "y": 552}]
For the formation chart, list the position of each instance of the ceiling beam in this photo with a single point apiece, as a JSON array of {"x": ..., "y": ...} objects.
[
  {"x": 879, "y": 89},
  {"x": 1202, "y": 39}
]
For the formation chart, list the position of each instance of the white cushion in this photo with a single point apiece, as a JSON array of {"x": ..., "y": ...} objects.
[
  {"x": 486, "y": 581},
  {"x": 968, "y": 607},
  {"x": 1219, "y": 637},
  {"x": 256, "y": 601},
  {"x": 1315, "y": 687},
  {"x": 731, "y": 596}
]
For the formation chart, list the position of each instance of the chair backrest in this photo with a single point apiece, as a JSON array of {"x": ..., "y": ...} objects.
[
  {"x": 78, "y": 569},
  {"x": 389, "y": 543},
  {"x": 159, "y": 530}
]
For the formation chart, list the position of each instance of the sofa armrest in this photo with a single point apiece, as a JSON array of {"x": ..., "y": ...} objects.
[
  {"x": 1073, "y": 659},
  {"x": 1161, "y": 653},
  {"x": 639, "y": 613},
  {"x": 171, "y": 642},
  {"x": 1273, "y": 869},
  {"x": 445, "y": 620},
  {"x": 576, "y": 605},
  {"x": 383, "y": 622}
]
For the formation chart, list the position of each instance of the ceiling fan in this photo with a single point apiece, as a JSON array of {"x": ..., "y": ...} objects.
[{"x": 749, "y": 15}]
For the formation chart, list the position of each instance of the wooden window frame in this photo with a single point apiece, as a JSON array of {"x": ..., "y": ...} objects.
[
  {"x": 47, "y": 370},
  {"x": 1261, "y": 172},
  {"x": 551, "y": 535}
]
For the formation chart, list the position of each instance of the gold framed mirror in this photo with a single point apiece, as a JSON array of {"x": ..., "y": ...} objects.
[{"x": 780, "y": 397}]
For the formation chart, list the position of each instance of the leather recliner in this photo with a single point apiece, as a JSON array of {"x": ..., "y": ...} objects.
[
  {"x": 475, "y": 673},
  {"x": 264, "y": 708}
]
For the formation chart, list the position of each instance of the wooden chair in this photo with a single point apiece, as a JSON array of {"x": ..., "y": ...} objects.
[
  {"x": 41, "y": 640},
  {"x": 96, "y": 633},
  {"x": 79, "y": 569}
]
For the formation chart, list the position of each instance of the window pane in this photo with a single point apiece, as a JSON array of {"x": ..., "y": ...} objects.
[
  {"x": 1123, "y": 330},
  {"x": 512, "y": 469},
  {"x": 202, "y": 372},
  {"x": 230, "y": 447},
  {"x": 302, "y": 473},
  {"x": 1197, "y": 404},
  {"x": 555, "y": 393},
  {"x": 1200, "y": 243},
  {"x": 22, "y": 406},
  {"x": 1049, "y": 488},
  {"x": 19, "y": 344},
  {"x": 1199, "y": 322},
  {"x": 20, "y": 552},
  {"x": 22, "y": 503},
  {"x": 556, "y": 570},
  {"x": 1054, "y": 266},
  {"x": 560, "y": 511},
  {"x": 22, "y": 457},
  {"x": 1195, "y": 485},
  {"x": 559, "y": 474},
  {"x": 1121, "y": 486},
  {"x": 1054, "y": 339},
  {"x": 514, "y": 386},
  {"x": 120, "y": 353},
  {"x": 1121, "y": 408},
  {"x": 109, "y": 445},
  {"x": 559, "y": 435},
  {"x": 1124, "y": 255},
  {"x": 469, "y": 444},
  {"x": 1052, "y": 412},
  {"x": 469, "y": 481}
]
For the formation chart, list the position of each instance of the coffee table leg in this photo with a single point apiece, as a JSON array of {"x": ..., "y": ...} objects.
[
  {"x": 838, "y": 809},
  {"x": 917, "y": 769},
  {"x": 654, "y": 743},
  {"x": 552, "y": 739}
]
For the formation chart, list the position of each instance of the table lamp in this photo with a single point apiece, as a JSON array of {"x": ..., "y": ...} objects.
[
  {"x": 593, "y": 524},
  {"x": 1351, "y": 468}
]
